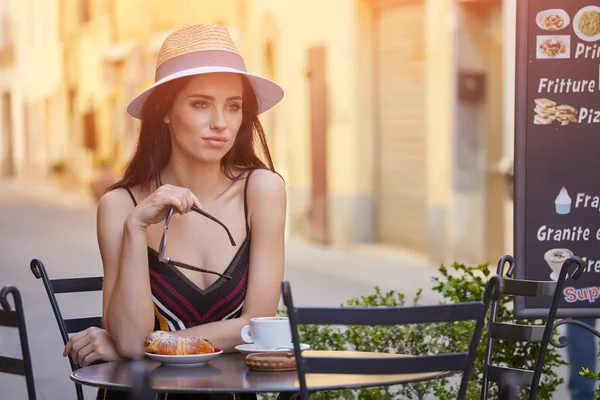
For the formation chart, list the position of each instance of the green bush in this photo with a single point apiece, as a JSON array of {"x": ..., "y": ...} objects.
[
  {"x": 593, "y": 376},
  {"x": 462, "y": 285}
]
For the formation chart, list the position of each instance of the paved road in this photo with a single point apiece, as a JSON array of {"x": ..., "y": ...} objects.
[{"x": 60, "y": 230}]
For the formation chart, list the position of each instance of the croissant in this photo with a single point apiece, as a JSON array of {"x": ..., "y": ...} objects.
[{"x": 161, "y": 342}]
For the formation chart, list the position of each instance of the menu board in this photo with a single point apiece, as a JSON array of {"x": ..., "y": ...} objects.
[{"x": 557, "y": 151}]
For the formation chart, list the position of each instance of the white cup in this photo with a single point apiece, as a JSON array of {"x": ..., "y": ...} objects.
[{"x": 268, "y": 333}]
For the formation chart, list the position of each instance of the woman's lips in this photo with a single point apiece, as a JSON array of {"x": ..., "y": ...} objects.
[{"x": 215, "y": 141}]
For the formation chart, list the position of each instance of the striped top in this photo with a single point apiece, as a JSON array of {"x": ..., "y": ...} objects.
[{"x": 181, "y": 304}]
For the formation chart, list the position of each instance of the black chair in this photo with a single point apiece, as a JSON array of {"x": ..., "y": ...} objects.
[
  {"x": 16, "y": 319},
  {"x": 524, "y": 333},
  {"x": 371, "y": 316},
  {"x": 68, "y": 285}
]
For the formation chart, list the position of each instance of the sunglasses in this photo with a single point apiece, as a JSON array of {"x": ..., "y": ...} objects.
[{"x": 170, "y": 261}]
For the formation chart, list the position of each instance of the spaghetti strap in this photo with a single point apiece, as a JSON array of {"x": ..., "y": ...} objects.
[
  {"x": 132, "y": 196},
  {"x": 246, "y": 199}
]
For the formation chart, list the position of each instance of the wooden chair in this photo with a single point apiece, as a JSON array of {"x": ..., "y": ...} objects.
[
  {"x": 372, "y": 316},
  {"x": 524, "y": 333},
  {"x": 68, "y": 285},
  {"x": 16, "y": 319}
]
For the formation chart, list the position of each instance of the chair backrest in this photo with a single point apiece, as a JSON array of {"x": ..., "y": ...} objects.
[
  {"x": 68, "y": 285},
  {"x": 524, "y": 333},
  {"x": 16, "y": 319},
  {"x": 371, "y": 316}
]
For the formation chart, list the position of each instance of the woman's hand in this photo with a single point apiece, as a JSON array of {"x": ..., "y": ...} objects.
[
  {"x": 91, "y": 345},
  {"x": 155, "y": 208}
]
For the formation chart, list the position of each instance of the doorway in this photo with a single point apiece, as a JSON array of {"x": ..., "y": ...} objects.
[{"x": 399, "y": 41}]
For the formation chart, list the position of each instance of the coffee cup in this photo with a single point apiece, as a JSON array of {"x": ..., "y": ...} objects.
[{"x": 268, "y": 333}]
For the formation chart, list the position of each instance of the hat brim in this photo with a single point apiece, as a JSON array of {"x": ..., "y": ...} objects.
[{"x": 268, "y": 93}]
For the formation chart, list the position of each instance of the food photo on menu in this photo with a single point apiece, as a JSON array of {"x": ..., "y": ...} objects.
[
  {"x": 552, "y": 20},
  {"x": 586, "y": 23},
  {"x": 546, "y": 112},
  {"x": 553, "y": 46}
]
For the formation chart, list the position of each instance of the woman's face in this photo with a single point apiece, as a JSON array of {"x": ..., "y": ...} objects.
[{"x": 206, "y": 116}]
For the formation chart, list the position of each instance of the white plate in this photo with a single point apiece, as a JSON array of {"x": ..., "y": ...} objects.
[
  {"x": 190, "y": 360},
  {"x": 554, "y": 11},
  {"x": 251, "y": 348},
  {"x": 576, "y": 24}
]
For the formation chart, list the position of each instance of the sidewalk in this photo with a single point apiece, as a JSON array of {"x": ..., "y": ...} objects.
[
  {"x": 47, "y": 192},
  {"x": 361, "y": 268}
]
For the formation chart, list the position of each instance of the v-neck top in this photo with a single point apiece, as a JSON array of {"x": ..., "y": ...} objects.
[{"x": 181, "y": 304}]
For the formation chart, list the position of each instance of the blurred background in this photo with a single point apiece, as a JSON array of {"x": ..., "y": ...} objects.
[
  {"x": 395, "y": 138},
  {"x": 396, "y": 129}
]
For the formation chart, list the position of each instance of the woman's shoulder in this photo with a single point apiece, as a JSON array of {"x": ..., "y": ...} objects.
[
  {"x": 265, "y": 179},
  {"x": 264, "y": 182},
  {"x": 121, "y": 198}
]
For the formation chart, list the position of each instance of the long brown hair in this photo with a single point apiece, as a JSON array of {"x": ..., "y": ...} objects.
[{"x": 154, "y": 144}]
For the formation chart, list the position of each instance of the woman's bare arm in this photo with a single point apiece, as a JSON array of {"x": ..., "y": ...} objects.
[
  {"x": 127, "y": 308},
  {"x": 267, "y": 212}
]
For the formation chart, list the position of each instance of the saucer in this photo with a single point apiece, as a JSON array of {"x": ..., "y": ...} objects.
[{"x": 250, "y": 348}]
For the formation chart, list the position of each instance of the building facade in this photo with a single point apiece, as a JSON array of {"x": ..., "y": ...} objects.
[{"x": 32, "y": 131}]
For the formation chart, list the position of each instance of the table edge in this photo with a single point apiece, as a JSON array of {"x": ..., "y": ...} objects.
[{"x": 438, "y": 375}]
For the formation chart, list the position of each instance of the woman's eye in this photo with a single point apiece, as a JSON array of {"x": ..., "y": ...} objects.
[
  {"x": 234, "y": 107},
  {"x": 200, "y": 104}
]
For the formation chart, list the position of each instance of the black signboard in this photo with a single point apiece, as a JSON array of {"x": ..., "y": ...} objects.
[{"x": 557, "y": 150}]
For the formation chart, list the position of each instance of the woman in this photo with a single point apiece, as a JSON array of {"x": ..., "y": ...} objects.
[{"x": 197, "y": 147}]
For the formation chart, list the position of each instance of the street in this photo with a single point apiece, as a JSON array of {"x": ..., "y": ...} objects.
[{"x": 60, "y": 231}]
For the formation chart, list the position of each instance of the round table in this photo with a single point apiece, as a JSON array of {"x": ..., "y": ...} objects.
[{"x": 229, "y": 373}]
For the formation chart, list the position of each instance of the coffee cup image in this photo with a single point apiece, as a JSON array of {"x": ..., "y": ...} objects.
[
  {"x": 562, "y": 203},
  {"x": 555, "y": 259}
]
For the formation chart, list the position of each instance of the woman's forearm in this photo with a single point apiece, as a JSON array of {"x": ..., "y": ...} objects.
[
  {"x": 223, "y": 334},
  {"x": 130, "y": 314}
]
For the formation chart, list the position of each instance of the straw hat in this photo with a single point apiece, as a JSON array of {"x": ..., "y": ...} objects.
[{"x": 203, "y": 49}]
